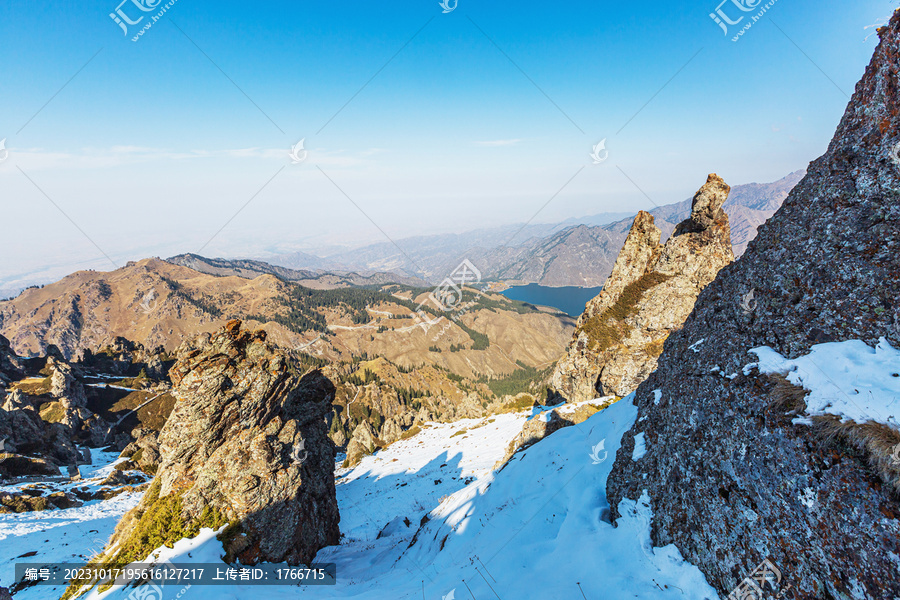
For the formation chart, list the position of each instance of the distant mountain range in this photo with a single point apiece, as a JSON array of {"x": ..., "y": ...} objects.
[
  {"x": 318, "y": 279},
  {"x": 576, "y": 252}
]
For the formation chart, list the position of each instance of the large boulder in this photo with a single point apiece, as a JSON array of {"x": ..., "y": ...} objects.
[
  {"x": 64, "y": 385},
  {"x": 734, "y": 477},
  {"x": 23, "y": 432},
  {"x": 246, "y": 444},
  {"x": 649, "y": 294}
]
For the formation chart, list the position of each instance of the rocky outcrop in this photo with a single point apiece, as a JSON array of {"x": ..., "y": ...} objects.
[
  {"x": 247, "y": 444},
  {"x": 392, "y": 430},
  {"x": 732, "y": 479},
  {"x": 550, "y": 421},
  {"x": 35, "y": 501},
  {"x": 649, "y": 294},
  {"x": 144, "y": 450},
  {"x": 11, "y": 368},
  {"x": 64, "y": 385},
  {"x": 31, "y": 445},
  {"x": 362, "y": 443},
  {"x": 126, "y": 357}
]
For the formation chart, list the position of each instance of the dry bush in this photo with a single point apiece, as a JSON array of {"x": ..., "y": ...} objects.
[
  {"x": 606, "y": 329},
  {"x": 785, "y": 396},
  {"x": 875, "y": 440}
]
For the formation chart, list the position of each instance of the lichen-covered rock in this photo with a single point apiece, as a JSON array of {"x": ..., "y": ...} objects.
[
  {"x": 650, "y": 292},
  {"x": 231, "y": 449},
  {"x": 732, "y": 479},
  {"x": 144, "y": 450}
]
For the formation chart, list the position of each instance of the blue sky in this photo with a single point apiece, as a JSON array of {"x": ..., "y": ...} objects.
[{"x": 472, "y": 118}]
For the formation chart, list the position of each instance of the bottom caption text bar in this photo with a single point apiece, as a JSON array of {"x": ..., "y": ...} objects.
[{"x": 176, "y": 574}]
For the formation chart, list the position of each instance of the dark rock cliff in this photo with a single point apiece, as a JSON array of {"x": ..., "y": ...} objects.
[{"x": 732, "y": 480}]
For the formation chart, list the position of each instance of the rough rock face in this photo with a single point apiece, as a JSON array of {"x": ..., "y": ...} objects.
[
  {"x": 650, "y": 292},
  {"x": 144, "y": 450},
  {"x": 248, "y": 440},
  {"x": 731, "y": 478},
  {"x": 362, "y": 443},
  {"x": 10, "y": 364},
  {"x": 392, "y": 430},
  {"x": 22, "y": 432},
  {"x": 63, "y": 384}
]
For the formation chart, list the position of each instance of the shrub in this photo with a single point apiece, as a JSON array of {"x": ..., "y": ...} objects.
[
  {"x": 415, "y": 429},
  {"x": 606, "y": 329}
]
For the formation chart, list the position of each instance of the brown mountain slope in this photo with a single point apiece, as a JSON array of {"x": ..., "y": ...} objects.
[{"x": 159, "y": 304}]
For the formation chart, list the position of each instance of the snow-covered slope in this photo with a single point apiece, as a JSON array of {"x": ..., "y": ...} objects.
[
  {"x": 537, "y": 529},
  {"x": 848, "y": 379},
  {"x": 72, "y": 535}
]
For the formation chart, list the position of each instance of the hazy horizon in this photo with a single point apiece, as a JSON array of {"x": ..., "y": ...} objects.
[{"x": 426, "y": 123}]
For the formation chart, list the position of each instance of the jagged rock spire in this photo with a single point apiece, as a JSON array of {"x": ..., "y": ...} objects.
[{"x": 649, "y": 293}]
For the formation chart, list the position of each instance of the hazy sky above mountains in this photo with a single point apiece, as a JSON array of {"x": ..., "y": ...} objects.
[{"x": 426, "y": 122}]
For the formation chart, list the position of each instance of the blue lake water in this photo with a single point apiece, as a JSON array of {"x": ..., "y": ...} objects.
[{"x": 570, "y": 300}]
